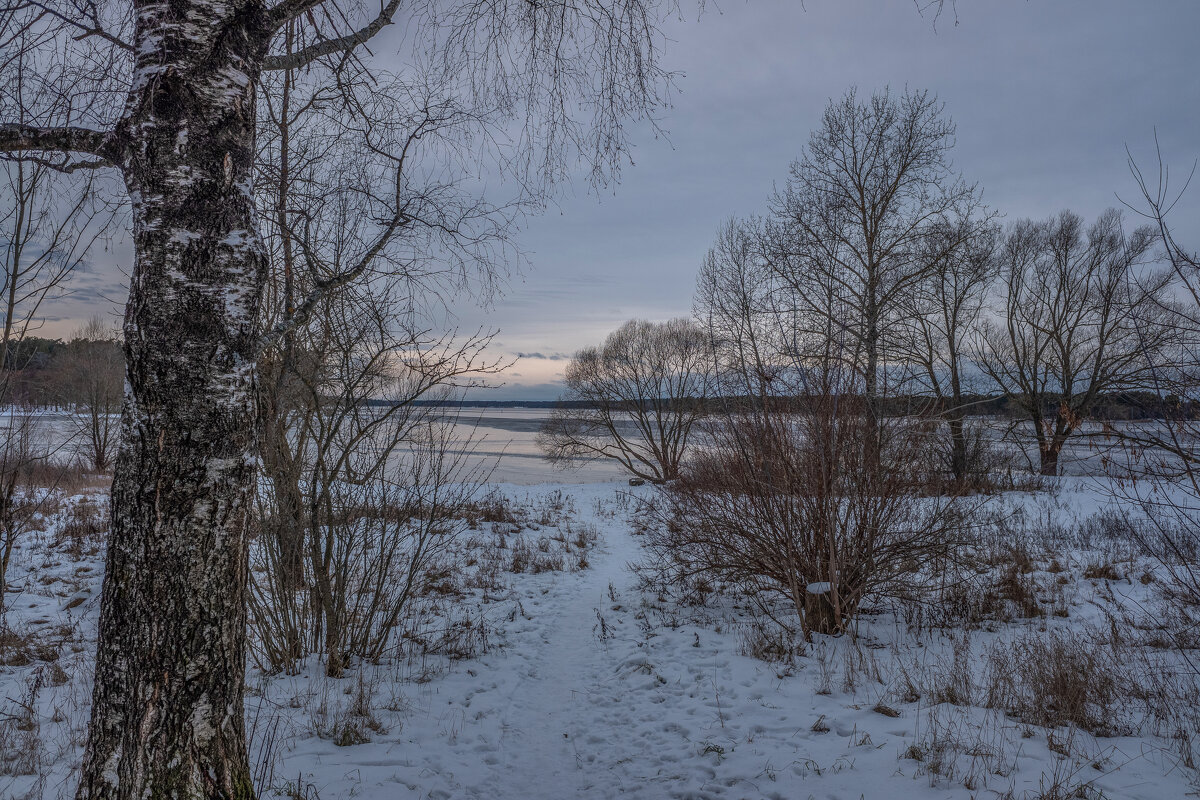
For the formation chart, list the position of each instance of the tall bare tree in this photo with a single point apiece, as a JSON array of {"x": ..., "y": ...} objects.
[
  {"x": 857, "y": 219},
  {"x": 1080, "y": 317},
  {"x": 186, "y": 80},
  {"x": 943, "y": 312},
  {"x": 1158, "y": 470},
  {"x": 635, "y": 399}
]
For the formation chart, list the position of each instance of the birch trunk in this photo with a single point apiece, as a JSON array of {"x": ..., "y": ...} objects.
[{"x": 167, "y": 711}]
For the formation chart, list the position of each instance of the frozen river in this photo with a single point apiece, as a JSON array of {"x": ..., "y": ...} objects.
[
  {"x": 500, "y": 445},
  {"x": 498, "y": 441},
  {"x": 504, "y": 442}
]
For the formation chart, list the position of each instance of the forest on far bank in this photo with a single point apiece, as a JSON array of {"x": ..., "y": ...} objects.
[{"x": 40, "y": 372}]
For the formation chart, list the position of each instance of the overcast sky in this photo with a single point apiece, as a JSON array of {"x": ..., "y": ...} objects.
[{"x": 1045, "y": 94}]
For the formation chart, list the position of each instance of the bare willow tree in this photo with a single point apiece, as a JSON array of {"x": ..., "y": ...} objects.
[
  {"x": 1081, "y": 317},
  {"x": 858, "y": 216},
  {"x": 635, "y": 399},
  {"x": 169, "y": 97}
]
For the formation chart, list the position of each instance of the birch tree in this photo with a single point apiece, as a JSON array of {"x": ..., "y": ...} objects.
[{"x": 168, "y": 97}]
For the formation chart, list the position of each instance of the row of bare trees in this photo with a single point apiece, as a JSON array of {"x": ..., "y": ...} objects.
[
  {"x": 879, "y": 261},
  {"x": 826, "y": 453}
]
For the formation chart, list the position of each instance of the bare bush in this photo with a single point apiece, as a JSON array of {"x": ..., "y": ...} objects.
[
  {"x": 791, "y": 505},
  {"x": 374, "y": 528}
]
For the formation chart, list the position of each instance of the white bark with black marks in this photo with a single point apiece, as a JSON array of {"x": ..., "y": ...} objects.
[{"x": 167, "y": 716}]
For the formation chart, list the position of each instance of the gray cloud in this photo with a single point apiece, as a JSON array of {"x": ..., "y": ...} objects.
[{"x": 545, "y": 356}]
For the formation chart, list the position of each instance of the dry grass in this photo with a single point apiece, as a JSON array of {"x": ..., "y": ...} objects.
[
  {"x": 83, "y": 527},
  {"x": 1054, "y": 679}
]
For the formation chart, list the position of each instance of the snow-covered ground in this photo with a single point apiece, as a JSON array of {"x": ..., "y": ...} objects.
[{"x": 579, "y": 684}]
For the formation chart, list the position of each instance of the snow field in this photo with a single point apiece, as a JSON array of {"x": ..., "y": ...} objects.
[{"x": 580, "y": 684}]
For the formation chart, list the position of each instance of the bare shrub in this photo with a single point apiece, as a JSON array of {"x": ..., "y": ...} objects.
[
  {"x": 83, "y": 526},
  {"x": 969, "y": 459},
  {"x": 21, "y": 746},
  {"x": 1156, "y": 471},
  {"x": 768, "y": 642},
  {"x": 796, "y": 505},
  {"x": 373, "y": 546},
  {"x": 25, "y": 495}
]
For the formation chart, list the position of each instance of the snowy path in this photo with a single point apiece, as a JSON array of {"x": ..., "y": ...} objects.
[
  {"x": 572, "y": 709},
  {"x": 568, "y": 722},
  {"x": 567, "y": 687}
]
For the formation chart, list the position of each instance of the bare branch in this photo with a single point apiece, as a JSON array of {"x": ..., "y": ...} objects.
[
  {"x": 88, "y": 28},
  {"x": 16, "y": 138},
  {"x": 342, "y": 44}
]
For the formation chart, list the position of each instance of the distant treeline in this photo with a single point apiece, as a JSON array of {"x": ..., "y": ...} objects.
[
  {"x": 51, "y": 373},
  {"x": 1115, "y": 407},
  {"x": 44, "y": 372}
]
